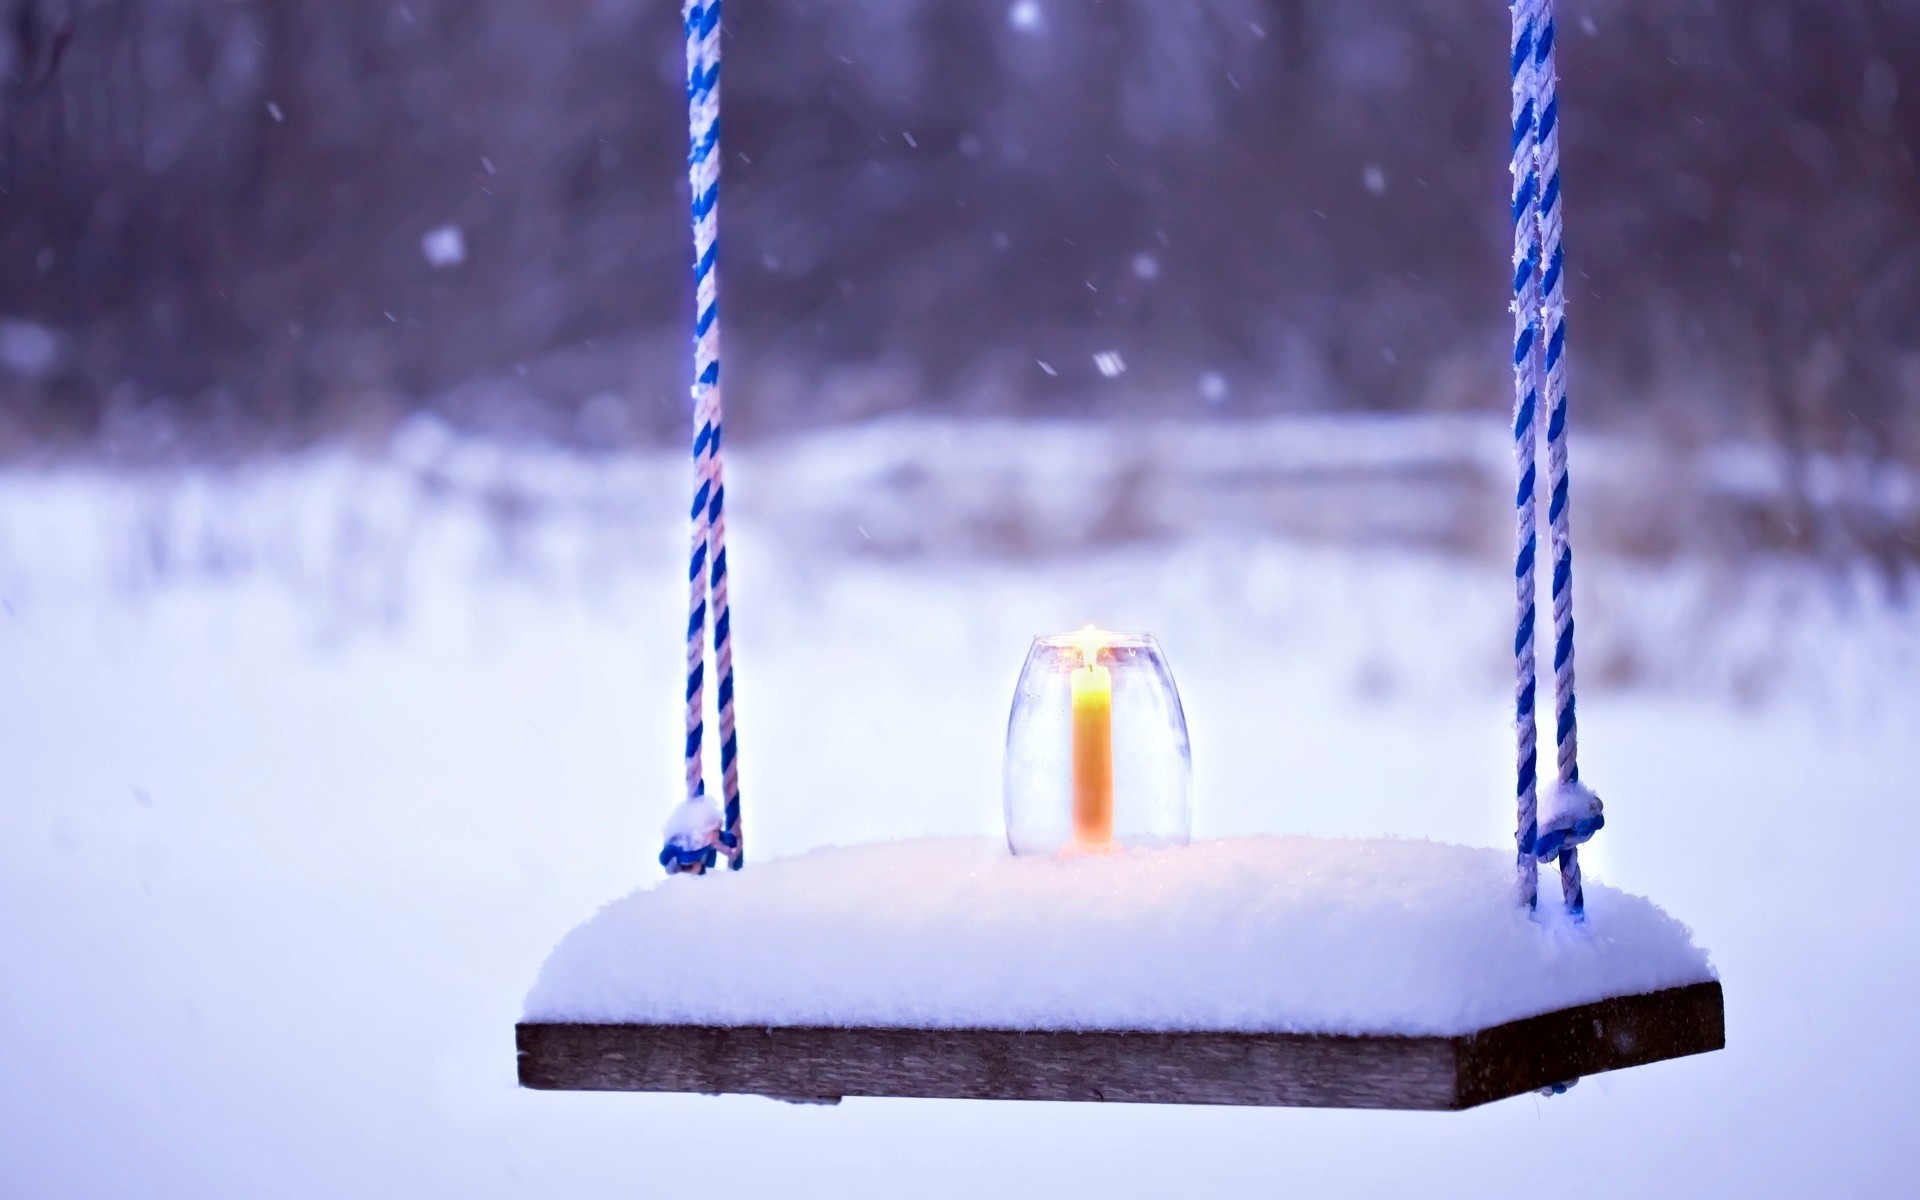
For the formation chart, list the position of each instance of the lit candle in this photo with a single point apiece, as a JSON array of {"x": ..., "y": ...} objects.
[{"x": 1092, "y": 745}]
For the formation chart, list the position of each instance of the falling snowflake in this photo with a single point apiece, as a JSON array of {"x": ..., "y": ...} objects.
[{"x": 444, "y": 247}]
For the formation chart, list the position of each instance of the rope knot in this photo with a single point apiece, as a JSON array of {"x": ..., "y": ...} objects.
[
  {"x": 694, "y": 837},
  {"x": 1569, "y": 815}
]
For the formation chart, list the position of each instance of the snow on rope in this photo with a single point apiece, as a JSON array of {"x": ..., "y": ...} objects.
[{"x": 697, "y": 833}]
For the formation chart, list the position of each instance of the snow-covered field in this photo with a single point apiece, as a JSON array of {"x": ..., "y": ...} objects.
[{"x": 306, "y": 767}]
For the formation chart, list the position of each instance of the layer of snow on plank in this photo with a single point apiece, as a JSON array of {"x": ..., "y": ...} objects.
[{"x": 1261, "y": 933}]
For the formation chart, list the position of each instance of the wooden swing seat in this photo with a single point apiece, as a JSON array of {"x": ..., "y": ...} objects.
[
  {"x": 1265, "y": 970},
  {"x": 823, "y": 1064}
]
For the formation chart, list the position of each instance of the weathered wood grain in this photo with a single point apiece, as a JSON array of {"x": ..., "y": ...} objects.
[
  {"x": 1628, "y": 1031},
  {"x": 1313, "y": 1070}
]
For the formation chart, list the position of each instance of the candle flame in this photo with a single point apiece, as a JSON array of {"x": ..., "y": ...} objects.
[{"x": 1089, "y": 642}]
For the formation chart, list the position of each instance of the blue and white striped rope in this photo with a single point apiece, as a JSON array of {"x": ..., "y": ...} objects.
[
  {"x": 707, "y": 565},
  {"x": 1539, "y": 300},
  {"x": 1526, "y": 402},
  {"x": 1574, "y": 813},
  {"x": 1545, "y": 90}
]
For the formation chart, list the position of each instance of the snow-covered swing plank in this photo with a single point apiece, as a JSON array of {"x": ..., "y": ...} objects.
[
  {"x": 1260, "y": 970},
  {"x": 1268, "y": 971}
]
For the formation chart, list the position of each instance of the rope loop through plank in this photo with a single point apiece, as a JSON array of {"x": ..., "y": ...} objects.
[
  {"x": 698, "y": 833},
  {"x": 1571, "y": 813}
]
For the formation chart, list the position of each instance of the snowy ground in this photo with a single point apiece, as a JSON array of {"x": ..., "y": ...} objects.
[{"x": 306, "y": 769}]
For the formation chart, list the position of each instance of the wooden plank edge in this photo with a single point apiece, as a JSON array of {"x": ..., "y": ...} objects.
[
  {"x": 1150, "y": 1067},
  {"x": 1589, "y": 1039},
  {"x": 824, "y": 1063}
]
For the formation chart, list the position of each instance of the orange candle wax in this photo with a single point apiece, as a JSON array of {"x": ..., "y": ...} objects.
[{"x": 1092, "y": 748}]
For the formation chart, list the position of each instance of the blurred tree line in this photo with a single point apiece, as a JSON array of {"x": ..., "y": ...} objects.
[{"x": 228, "y": 224}]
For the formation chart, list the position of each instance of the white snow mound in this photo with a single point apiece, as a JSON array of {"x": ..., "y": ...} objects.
[{"x": 1260, "y": 933}]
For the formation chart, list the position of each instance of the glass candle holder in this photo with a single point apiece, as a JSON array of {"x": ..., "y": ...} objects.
[{"x": 1097, "y": 754}]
